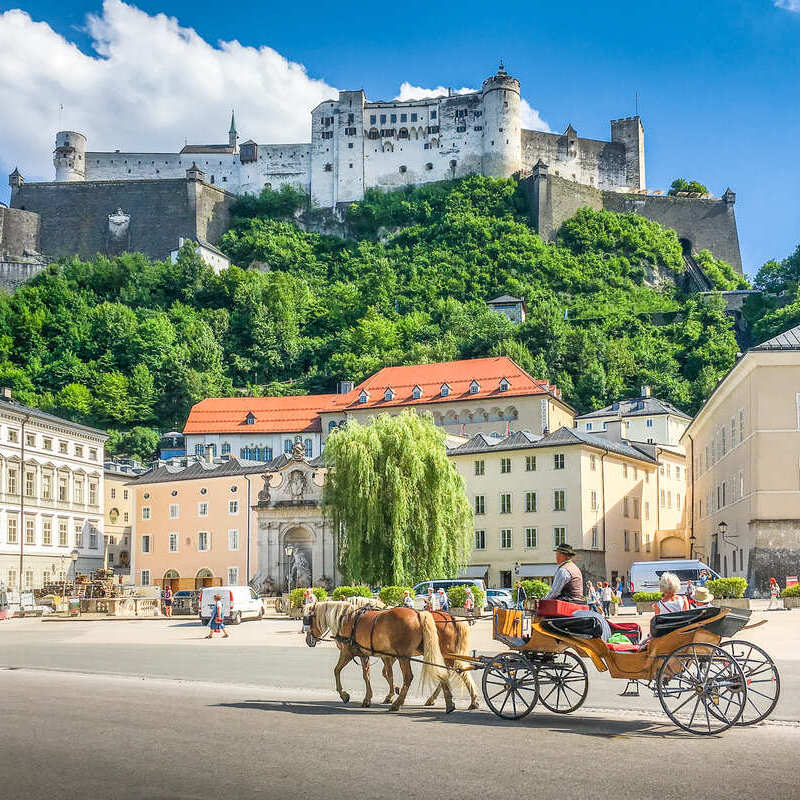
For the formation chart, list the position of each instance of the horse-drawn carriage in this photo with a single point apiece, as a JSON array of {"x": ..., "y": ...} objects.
[{"x": 704, "y": 685}]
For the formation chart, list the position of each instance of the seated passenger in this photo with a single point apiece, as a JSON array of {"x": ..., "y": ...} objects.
[
  {"x": 702, "y": 597},
  {"x": 670, "y": 601},
  {"x": 568, "y": 580}
]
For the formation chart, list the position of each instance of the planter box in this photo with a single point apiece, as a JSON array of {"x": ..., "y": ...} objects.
[
  {"x": 295, "y": 613},
  {"x": 614, "y": 607},
  {"x": 733, "y": 602},
  {"x": 644, "y": 608},
  {"x": 791, "y": 602},
  {"x": 460, "y": 611}
]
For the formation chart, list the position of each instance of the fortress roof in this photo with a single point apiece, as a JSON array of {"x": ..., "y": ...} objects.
[{"x": 207, "y": 148}]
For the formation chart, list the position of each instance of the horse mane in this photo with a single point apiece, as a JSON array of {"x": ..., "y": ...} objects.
[{"x": 332, "y": 613}]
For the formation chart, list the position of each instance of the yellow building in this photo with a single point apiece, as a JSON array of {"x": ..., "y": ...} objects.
[
  {"x": 615, "y": 501},
  {"x": 744, "y": 445},
  {"x": 119, "y": 515}
]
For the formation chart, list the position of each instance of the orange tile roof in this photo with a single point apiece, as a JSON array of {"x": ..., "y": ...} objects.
[
  {"x": 458, "y": 375},
  {"x": 292, "y": 414}
]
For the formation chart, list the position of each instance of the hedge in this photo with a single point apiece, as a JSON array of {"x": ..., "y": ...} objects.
[
  {"x": 791, "y": 591},
  {"x": 393, "y": 595},
  {"x": 532, "y": 589},
  {"x": 458, "y": 594},
  {"x": 343, "y": 592},
  {"x": 727, "y": 588},
  {"x": 296, "y": 595},
  {"x": 646, "y": 597}
]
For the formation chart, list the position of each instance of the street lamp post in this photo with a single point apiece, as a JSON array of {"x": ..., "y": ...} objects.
[
  {"x": 692, "y": 540},
  {"x": 289, "y": 550}
]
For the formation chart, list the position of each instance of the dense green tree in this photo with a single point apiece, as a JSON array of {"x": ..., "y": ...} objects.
[
  {"x": 396, "y": 502},
  {"x": 682, "y": 185}
]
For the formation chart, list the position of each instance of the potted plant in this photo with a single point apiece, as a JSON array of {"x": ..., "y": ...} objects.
[
  {"x": 393, "y": 595},
  {"x": 616, "y": 599},
  {"x": 457, "y": 595},
  {"x": 534, "y": 590},
  {"x": 644, "y": 601},
  {"x": 791, "y": 596},
  {"x": 729, "y": 592}
]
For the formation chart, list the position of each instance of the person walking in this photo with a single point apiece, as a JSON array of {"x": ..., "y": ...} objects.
[
  {"x": 774, "y": 594},
  {"x": 168, "y": 598},
  {"x": 469, "y": 601},
  {"x": 606, "y": 598},
  {"x": 430, "y": 600},
  {"x": 444, "y": 600},
  {"x": 619, "y": 588},
  {"x": 704, "y": 576},
  {"x": 690, "y": 590},
  {"x": 521, "y": 596},
  {"x": 217, "y": 622}
]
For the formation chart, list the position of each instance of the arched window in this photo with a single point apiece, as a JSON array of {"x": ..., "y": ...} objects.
[
  {"x": 445, "y": 390},
  {"x": 226, "y": 448},
  {"x": 307, "y": 447},
  {"x": 332, "y": 425},
  {"x": 402, "y": 133}
]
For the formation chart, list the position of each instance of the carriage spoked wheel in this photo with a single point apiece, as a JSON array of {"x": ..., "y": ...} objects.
[
  {"x": 702, "y": 689},
  {"x": 762, "y": 679},
  {"x": 563, "y": 683},
  {"x": 509, "y": 686}
]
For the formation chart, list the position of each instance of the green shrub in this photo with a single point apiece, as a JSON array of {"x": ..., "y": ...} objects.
[
  {"x": 393, "y": 595},
  {"x": 791, "y": 591},
  {"x": 727, "y": 588},
  {"x": 532, "y": 589},
  {"x": 458, "y": 594},
  {"x": 296, "y": 595},
  {"x": 343, "y": 592},
  {"x": 646, "y": 597}
]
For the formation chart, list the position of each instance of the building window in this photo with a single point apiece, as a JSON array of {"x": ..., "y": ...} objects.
[
  {"x": 11, "y": 480},
  {"x": 636, "y": 508},
  {"x": 531, "y": 538},
  {"x": 559, "y": 536},
  {"x": 145, "y": 577},
  {"x": 593, "y": 463},
  {"x": 92, "y": 494},
  {"x": 93, "y": 538},
  {"x": 233, "y": 506},
  {"x": 202, "y": 509},
  {"x": 173, "y": 543},
  {"x": 480, "y": 540},
  {"x": 226, "y": 448},
  {"x": 530, "y": 501},
  {"x": 505, "y": 465},
  {"x": 480, "y": 467},
  {"x": 30, "y": 531},
  {"x": 505, "y": 539},
  {"x": 125, "y": 517},
  {"x": 29, "y": 579},
  {"x": 647, "y": 510},
  {"x": 124, "y": 494},
  {"x": 233, "y": 539},
  {"x": 203, "y": 541},
  {"x": 480, "y": 504},
  {"x": 636, "y": 537},
  {"x": 30, "y": 440},
  {"x": 30, "y": 484},
  {"x": 47, "y": 444},
  {"x": 77, "y": 492},
  {"x": 558, "y": 461},
  {"x": 62, "y": 448},
  {"x": 13, "y": 435},
  {"x": 595, "y": 538},
  {"x": 559, "y": 500},
  {"x": 47, "y": 486},
  {"x": 307, "y": 448},
  {"x": 530, "y": 463},
  {"x": 79, "y": 451},
  {"x": 47, "y": 532},
  {"x": 649, "y": 423},
  {"x": 593, "y": 501},
  {"x": 93, "y": 453},
  {"x": 444, "y": 390},
  {"x": 174, "y": 510},
  {"x": 627, "y": 539},
  {"x": 624, "y": 470},
  {"x": 625, "y": 512},
  {"x": 62, "y": 489},
  {"x": 62, "y": 533},
  {"x": 145, "y": 512},
  {"x": 287, "y": 445},
  {"x": 505, "y": 503},
  {"x": 233, "y": 576},
  {"x": 146, "y": 543}
]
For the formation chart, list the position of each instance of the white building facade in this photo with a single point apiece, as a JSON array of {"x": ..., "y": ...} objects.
[{"x": 51, "y": 496}]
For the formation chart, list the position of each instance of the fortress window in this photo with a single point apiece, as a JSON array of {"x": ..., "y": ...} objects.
[
  {"x": 505, "y": 104},
  {"x": 403, "y": 117},
  {"x": 479, "y": 113},
  {"x": 329, "y": 168},
  {"x": 350, "y": 145},
  {"x": 351, "y": 166},
  {"x": 414, "y": 116},
  {"x": 479, "y": 127},
  {"x": 453, "y": 163},
  {"x": 393, "y": 118},
  {"x": 158, "y": 172},
  {"x": 433, "y": 129},
  {"x": 224, "y": 179},
  {"x": 402, "y": 169},
  {"x": 129, "y": 171},
  {"x": 212, "y": 179},
  {"x": 427, "y": 145},
  {"x": 461, "y": 128},
  {"x": 372, "y": 119},
  {"x": 351, "y": 117},
  {"x": 402, "y": 133},
  {"x": 327, "y": 134},
  {"x": 429, "y": 165},
  {"x": 500, "y": 130},
  {"x": 383, "y": 118},
  {"x": 349, "y": 131}
]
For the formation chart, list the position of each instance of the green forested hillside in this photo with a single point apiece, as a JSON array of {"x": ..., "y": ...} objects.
[{"x": 129, "y": 344}]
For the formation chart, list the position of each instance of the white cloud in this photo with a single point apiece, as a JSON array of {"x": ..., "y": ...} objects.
[
  {"x": 149, "y": 84},
  {"x": 530, "y": 118},
  {"x": 789, "y": 5}
]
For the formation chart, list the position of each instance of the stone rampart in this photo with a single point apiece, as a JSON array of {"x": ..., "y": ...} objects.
[{"x": 19, "y": 232}]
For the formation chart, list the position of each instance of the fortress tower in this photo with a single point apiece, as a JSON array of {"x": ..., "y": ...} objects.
[
  {"x": 70, "y": 156},
  {"x": 502, "y": 151},
  {"x": 630, "y": 133}
]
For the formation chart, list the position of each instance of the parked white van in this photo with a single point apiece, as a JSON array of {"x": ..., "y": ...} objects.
[
  {"x": 238, "y": 603},
  {"x": 420, "y": 591},
  {"x": 645, "y": 575}
]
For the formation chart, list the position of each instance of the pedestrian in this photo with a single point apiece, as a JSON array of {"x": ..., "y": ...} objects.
[
  {"x": 407, "y": 600},
  {"x": 168, "y": 598},
  {"x": 217, "y": 622},
  {"x": 774, "y": 594},
  {"x": 619, "y": 588},
  {"x": 607, "y": 598},
  {"x": 430, "y": 600},
  {"x": 521, "y": 596},
  {"x": 703, "y": 579},
  {"x": 469, "y": 601},
  {"x": 591, "y": 596},
  {"x": 443, "y": 600},
  {"x": 309, "y": 601},
  {"x": 690, "y": 590}
]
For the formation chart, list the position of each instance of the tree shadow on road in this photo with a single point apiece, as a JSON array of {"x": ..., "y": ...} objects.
[{"x": 578, "y": 725}]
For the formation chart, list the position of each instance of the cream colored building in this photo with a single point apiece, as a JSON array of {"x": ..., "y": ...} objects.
[
  {"x": 119, "y": 514},
  {"x": 51, "y": 496},
  {"x": 615, "y": 501},
  {"x": 744, "y": 444}
]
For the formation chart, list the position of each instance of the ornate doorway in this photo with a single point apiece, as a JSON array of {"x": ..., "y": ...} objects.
[{"x": 204, "y": 577}]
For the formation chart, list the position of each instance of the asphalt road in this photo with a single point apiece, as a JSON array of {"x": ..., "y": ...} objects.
[{"x": 83, "y": 736}]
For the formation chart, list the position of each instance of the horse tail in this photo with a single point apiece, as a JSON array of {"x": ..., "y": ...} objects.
[
  {"x": 461, "y": 647},
  {"x": 433, "y": 670}
]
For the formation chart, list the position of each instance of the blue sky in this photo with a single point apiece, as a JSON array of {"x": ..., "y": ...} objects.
[{"x": 718, "y": 80}]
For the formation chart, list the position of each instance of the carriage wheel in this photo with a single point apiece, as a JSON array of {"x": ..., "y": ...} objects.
[
  {"x": 509, "y": 686},
  {"x": 762, "y": 678},
  {"x": 702, "y": 689},
  {"x": 563, "y": 683}
]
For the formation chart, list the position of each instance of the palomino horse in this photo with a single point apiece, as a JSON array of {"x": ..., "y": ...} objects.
[{"x": 396, "y": 633}]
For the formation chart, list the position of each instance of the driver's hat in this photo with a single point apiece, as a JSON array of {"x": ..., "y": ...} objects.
[{"x": 566, "y": 549}]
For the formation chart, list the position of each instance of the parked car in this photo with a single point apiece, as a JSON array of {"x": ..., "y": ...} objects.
[
  {"x": 186, "y": 601},
  {"x": 499, "y": 598},
  {"x": 421, "y": 589},
  {"x": 238, "y": 603},
  {"x": 645, "y": 575}
]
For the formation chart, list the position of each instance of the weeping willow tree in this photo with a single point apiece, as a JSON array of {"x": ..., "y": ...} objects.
[{"x": 396, "y": 501}]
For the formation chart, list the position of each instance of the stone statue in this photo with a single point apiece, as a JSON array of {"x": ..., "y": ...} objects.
[
  {"x": 297, "y": 484},
  {"x": 118, "y": 223},
  {"x": 298, "y": 451},
  {"x": 264, "y": 495},
  {"x": 300, "y": 570}
]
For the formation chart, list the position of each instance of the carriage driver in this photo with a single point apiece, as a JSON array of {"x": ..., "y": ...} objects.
[{"x": 568, "y": 580}]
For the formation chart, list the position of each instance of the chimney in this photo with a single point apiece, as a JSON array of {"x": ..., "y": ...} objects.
[
  {"x": 344, "y": 387},
  {"x": 613, "y": 431},
  {"x": 6, "y": 393},
  {"x": 645, "y": 391}
]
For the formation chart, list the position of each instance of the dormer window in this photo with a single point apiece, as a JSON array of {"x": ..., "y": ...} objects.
[
  {"x": 474, "y": 387},
  {"x": 504, "y": 384},
  {"x": 388, "y": 394},
  {"x": 364, "y": 396},
  {"x": 250, "y": 419},
  {"x": 416, "y": 392},
  {"x": 445, "y": 390}
]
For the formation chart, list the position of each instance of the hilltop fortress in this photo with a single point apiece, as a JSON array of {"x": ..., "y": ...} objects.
[{"x": 110, "y": 201}]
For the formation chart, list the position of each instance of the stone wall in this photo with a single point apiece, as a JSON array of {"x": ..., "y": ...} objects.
[
  {"x": 75, "y": 216},
  {"x": 19, "y": 232},
  {"x": 14, "y": 273}
]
